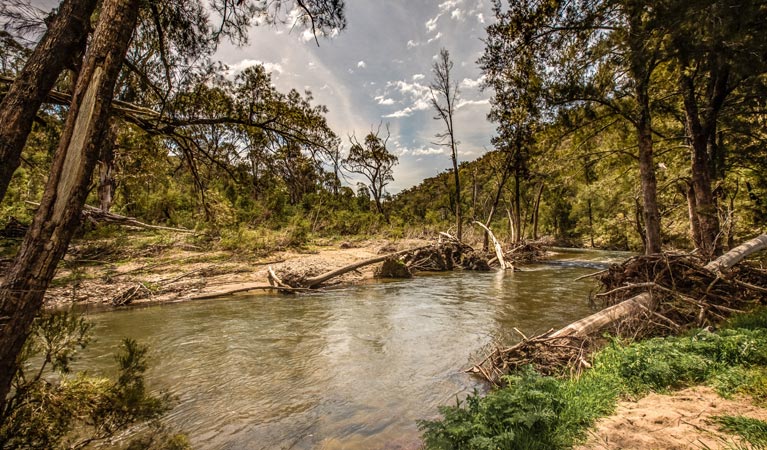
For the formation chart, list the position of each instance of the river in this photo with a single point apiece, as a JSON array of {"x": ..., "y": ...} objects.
[{"x": 351, "y": 368}]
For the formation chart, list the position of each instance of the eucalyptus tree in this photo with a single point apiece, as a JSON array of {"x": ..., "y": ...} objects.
[
  {"x": 585, "y": 54},
  {"x": 372, "y": 160},
  {"x": 444, "y": 99},
  {"x": 717, "y": 49},
  {"x": 22, "y": 290}
]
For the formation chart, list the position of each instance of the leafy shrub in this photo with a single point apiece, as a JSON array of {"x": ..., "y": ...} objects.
[{"x": 48, "y": 408}]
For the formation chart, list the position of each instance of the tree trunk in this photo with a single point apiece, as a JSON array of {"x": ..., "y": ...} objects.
[
  {"x": 692, "y": 212},
  {"x": 650, "y": 210},
  {"x": 22, "y": 291},
  {"x": 458, "y": 213},
  {"x": 494, "y": 206},
  {"x": 106, "y": 187},
  {"x": 700, "y": 134},
  {"x": 642, "y": 64},
  {"x": 60, "y": 47},
  {"x": 517, "y": 206},
  {"x": 536, "y": 210}
]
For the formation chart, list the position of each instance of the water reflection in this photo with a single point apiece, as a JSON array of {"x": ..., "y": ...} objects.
[{"x": 350, "y": 368}]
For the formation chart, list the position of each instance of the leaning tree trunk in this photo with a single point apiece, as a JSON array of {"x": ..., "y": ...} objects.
[
  {"x": 22, "y": 291},
  {"x": 60, "y": 47}
]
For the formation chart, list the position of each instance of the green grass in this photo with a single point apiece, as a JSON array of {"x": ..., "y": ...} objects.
[
  {"x": 753, "y": 431},
  {"x": 537, "y": 412}
]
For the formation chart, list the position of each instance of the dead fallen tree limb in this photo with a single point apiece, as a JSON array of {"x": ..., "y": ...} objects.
[
  {"x": 96, "y": 215},
  {"x": 300, "y": 281},
  {"x": 261, "y": 287},
  {"x": 497, "y": 246},
  {"x": 681, "y": 293}
]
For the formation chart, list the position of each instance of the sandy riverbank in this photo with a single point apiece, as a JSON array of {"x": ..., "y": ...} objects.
[{"x": 179, "y": 273}]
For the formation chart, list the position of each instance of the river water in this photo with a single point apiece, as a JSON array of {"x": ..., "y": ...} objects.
[{"x": 352, "y": 368}]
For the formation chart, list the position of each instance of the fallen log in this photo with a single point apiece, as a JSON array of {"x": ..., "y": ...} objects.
[
  {"x": 95, "y": 215},
  {"x": 568, "y": 346},
  {"x": 497, "y": 246},
  {"x": 246, "y": 289},
  {"x": 313, "y": 282},
  {"x": 609, "y": 315}
]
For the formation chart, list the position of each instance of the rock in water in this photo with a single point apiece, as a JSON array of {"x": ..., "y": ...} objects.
[{"x": 393, "y": 268}]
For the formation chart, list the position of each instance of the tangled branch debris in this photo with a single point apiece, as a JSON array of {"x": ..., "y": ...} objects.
[
  {"x": 645, "y": 296},
  {"x": 448, "y": 254}
]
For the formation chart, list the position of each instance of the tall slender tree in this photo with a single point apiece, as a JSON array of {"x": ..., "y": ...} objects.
[
  {"x": 444, "y": 97},
  {"x": 372, "y": 160}
]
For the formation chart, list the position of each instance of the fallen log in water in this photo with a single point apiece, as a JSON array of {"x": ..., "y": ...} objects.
[
  {"x": 677, "y": 293},
  {"x": 449, "y": 254}
]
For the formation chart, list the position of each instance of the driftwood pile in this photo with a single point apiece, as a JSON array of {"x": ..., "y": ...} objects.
[
  {"x": 448, "y": 254},
  {"x": 645, "y": 296},
  {"x": 445, "y": 256},
  {"x": 685, "y": 292},
  {"x": 527, "y": 252}
]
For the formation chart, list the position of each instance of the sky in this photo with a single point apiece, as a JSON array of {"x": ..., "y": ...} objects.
[{"x": 378, "y": 70}]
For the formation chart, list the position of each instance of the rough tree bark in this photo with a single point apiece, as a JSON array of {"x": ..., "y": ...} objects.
[
  {"x": 61, "y": 46},
  {"x": 701, "y": 132},
  {"x": 22, "y": 291},
  {"x": 641, "y": 67}
]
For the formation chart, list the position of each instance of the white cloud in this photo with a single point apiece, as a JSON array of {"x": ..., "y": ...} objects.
[
  {"x": 361, "y": 64},
  {"x": 437, "y": 36},
  {"x": 275, "y": 69},
  {"x": 457, "y": 14},
  {"x": 418, "y": 76},
  {"x": 399, "y": 114},
  {"x": 449, "y": 4},
  {"x": 468, "y": 83},
  {"x": 480, "y": 18},
  {"x": 411, "y": 43},
  {"x": 422, "y": 151},
  {"x": 431, "y": 24},
  {"x": 462, "y": 103},
  {"x": 381, "y": 100}
]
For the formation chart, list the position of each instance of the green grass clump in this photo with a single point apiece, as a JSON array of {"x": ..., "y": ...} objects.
[
  {"x": 537, "y": 412},
  {"x": 753, "y": 431}
]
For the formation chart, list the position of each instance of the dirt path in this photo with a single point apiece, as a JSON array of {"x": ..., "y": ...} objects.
[
  {"x": 178, "y": 274},
  {"x": 678, "y": 421}
]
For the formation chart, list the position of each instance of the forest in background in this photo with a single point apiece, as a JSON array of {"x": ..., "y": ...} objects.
[{"x": 217, "y": 153}]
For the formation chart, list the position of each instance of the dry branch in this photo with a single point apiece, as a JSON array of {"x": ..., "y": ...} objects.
[{"x": 497, "y": 246}]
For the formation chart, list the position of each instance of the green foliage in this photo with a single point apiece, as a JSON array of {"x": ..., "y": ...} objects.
[
  {"x": 542, "y": 412},
  {"x": 753, "y": 431},
  {"x": 48, "y": 408}
]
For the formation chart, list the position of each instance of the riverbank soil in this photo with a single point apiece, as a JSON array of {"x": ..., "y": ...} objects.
[
  {"x": 152, "y": 267},
  {"x": 677, "y": 421}
]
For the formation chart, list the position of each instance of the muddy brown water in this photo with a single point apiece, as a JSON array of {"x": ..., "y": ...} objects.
[{"x": 352, "y": 368}]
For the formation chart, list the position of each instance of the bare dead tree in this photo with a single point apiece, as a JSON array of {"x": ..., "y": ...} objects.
[{"x": 444, "y": 95}]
